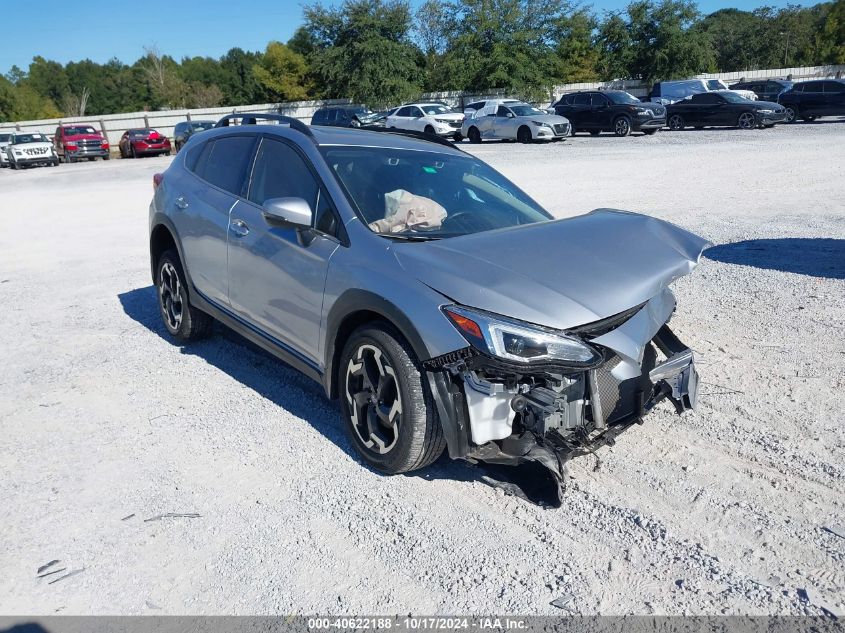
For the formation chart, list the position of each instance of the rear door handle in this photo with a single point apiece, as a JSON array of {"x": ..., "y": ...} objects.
[
  {"x": 239, "y": 228},
  {"x": 181, "y": 203}
]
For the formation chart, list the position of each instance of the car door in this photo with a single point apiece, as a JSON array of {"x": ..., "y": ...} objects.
[
  {"x": 200, "y": 210},
  {"x": 503, "y": 123},
  {"x": 714, "y": 109},
  {"x": 581, "y": 114},
  {"x": 812, "y": 101},
  {"x": 400, "y": 119},
  {"x": 601, "y": 112},
  {"x": 277, "y": 273},
  {"x": 834, "y": 98}
]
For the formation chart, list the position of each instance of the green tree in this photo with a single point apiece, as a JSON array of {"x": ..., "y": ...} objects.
[
  {"x": 239, "y": 84},
  {"x": 283, "y": 73},
  {"x": 578, "y": 56},
  {"x": 663, "y": 43},
  {"x": 503, "y": 44},
  {"x": 615, "y": 48},
  {"x": 737, "y": 38},
  {"x": 831, "y": 38},
  {"x": 363, "y": 50}
]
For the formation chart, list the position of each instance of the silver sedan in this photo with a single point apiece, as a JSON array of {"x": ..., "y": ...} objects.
[{"x": 515, "y": 121}]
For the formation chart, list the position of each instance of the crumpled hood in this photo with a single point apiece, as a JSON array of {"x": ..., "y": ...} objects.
[{"x": 561, "y": 273}]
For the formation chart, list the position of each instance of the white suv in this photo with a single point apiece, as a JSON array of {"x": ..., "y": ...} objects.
[{"x": 431, "y": 118}]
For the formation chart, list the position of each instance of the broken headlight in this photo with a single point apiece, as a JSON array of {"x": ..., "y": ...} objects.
[{"x": 520, "y": 342}]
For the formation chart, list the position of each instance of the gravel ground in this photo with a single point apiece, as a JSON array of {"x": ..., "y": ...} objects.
[{"x": 737, "y": 508}]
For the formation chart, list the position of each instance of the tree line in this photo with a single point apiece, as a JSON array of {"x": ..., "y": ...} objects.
[{"x": 382, "y": 52}]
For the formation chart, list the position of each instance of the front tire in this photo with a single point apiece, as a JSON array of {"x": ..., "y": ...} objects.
[
  {"x": 183, "y": 321},
  {"x": 791, "y": 113},
  {"x": 429, "y": 130},
  {"x": 523, "y": 135},
  {"x": 474, "y": 135},
  {"x": 388, "y": 411},
  {"x": 746, "y": 121},
  {"x": 622, "y": 126}
]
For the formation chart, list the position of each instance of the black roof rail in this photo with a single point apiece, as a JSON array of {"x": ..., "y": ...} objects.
[
  {"x": 252, "y": 118},
  {"x": 432, "y": 138}
]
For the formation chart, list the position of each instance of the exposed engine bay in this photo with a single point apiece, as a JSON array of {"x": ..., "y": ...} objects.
[{"x": 547, "y": 413}]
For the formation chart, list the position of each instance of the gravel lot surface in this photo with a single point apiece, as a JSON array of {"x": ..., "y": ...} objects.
[{"x": 737, "y": 508}]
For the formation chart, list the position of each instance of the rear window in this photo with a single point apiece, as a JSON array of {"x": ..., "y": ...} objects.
[{"x": 222, "y": 162}]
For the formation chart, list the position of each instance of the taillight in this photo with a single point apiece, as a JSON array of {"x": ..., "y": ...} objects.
[{"x": 157, "y": 180}]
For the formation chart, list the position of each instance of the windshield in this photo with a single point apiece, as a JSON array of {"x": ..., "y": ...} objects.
[
  {"x": 526, "y": 110},
  {"x": 622, "y": 97},
  {"x": 20, "y": 139},
  {"x": 198, "y": 126},
  {"x": 422, "y": 195},
  {"x": 436, "y": 109},
  {"x": 732, "y": 97},
  {"x": 79, "y": 129}
]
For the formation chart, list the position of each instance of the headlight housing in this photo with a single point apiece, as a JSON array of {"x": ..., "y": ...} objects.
[
  {"x": 765, "y": 110},
  {"x": 541, "y": 124},
  {"x": 645, "y": 112},
  {"x": 519, "y": 342}
]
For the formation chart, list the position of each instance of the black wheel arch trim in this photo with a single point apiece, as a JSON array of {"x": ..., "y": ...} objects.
[
  {"x": 161, "y": 220},
  {"x": 355, "y": 301}
]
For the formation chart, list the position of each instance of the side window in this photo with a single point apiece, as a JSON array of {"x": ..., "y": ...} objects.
[
  {"x": 342, "y": 116},
  {"x": 833, "y": 87},
  {"x": 319, "y": 117},
  {"x": 223, "y": 162},
  {"x": 197, "y": 158},
  {"x": 813, "y": 86},
  {"x": 475, "y": 106},
  {"x": 406, "y": 111},
  {"x": 502, "y": 111},
  {"x": 280, "y": 172},
  {"x": 582, "y": 99},
  {"x": 416, "y": 112},
  {"x": 598, "y": 100}
]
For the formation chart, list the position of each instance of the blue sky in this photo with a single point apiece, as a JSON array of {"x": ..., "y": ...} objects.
[{"x": 101, "y": 29}]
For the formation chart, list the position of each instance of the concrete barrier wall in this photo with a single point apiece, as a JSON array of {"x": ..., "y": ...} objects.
[{"x": 164, "y": 121}]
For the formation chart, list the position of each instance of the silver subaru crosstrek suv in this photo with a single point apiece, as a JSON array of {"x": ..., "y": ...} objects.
[{"x": 440, "y": 304}]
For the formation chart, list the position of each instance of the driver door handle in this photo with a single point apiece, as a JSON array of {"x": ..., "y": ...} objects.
[{"x": 239, "y": 228}]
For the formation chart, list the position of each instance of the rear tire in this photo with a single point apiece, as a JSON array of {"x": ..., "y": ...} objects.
[
  {"x": 676, "y": 122},
  {"x": 182, "y": 321},
  {"x": 388, "y": 411},
  {"x": 474, "y": 135}
]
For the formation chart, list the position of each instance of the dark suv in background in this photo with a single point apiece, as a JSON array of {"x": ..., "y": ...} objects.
[
  {"x": 185, "y": 129},
  {"x": 343, "y": 116},
  {"x": 610, "y": 111},
  {"x": 809, "y": 100},
  {"x": 765, "y": 89}
]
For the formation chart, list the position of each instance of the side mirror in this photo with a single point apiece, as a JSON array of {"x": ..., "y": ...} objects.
[
  {"x": 294, "y": 212},
  {"x": 510, "y": 115}
]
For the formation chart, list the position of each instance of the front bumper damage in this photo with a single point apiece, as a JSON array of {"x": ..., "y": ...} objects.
[{"x": 493, "y": 413}]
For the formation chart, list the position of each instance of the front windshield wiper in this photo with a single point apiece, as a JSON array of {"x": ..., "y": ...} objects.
[{"x": 410, "y": 237}]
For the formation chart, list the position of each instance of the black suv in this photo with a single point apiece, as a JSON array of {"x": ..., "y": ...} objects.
[
  {"x": 610, "y": 111},
  {"x": 765, "y": 89},
  {"x": 185, "y": 129},
  {"x": 809, "y": 100},
  {"x": 342, "y": 116}
]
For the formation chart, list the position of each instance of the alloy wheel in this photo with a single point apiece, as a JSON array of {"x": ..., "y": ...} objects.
[
  {"x": 747, "y": 121},
  {"x": 622, "y": 127},
  {"x": 791, "y": 114},
  {"x": 676, "y": 122},
  {"x": 170, "y": 297},
  {"x": 375, "y": 404}
]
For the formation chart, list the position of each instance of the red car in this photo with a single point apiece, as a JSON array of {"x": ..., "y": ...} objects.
[
  {"x": 142, "y": 142},
  {"x": 76, "y": 141}
]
